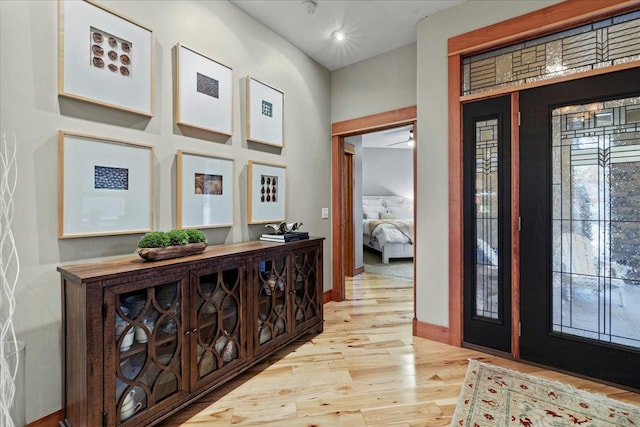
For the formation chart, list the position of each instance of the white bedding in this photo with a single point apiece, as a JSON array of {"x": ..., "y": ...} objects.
[
  {"x": 390, "y": 241},
  {"x": 386, "y": 233}
]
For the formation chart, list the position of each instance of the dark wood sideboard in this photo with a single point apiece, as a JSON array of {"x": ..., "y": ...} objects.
[{"x": 143, "y": 339}]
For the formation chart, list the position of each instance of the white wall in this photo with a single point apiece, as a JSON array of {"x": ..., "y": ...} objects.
[
  {"x": 432, "y": 238},
  {"x": 383, "y": 83},
  {"x": 387, "y": 172},
  {"x": 30, "y": 109}
]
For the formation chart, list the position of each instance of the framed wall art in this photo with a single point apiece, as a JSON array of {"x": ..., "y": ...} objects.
[
  {"x": 203, "y": 92},
  {"x": 265, "y": 113},
  {"x": 266, "y": 192},
  {"x": 205, "y": 190},
  {"x": 105, "y": 58},
  {"x": 104, "y": 186}
]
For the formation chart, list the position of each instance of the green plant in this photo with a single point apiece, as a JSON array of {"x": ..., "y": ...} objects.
[
  {"x": 177, "y": 237},
  {"x": 154, "y": 239},
  {"x": 160, "y": 239},
  {"x": 196, "y": 236}
]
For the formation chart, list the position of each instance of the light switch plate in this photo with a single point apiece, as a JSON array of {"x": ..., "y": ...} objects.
[{"x": 325, "y": 213}]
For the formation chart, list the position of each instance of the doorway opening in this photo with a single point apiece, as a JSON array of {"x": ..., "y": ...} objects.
[
  {"x": 388, "y": 121},
  {"x": 382, "y": 188}
]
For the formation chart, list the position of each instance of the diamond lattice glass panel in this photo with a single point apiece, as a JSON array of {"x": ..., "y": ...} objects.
[
  {"x": 486, "y": 211},
  {"x": 596, "y": 221},
  {"x": 600, "y": 44}
]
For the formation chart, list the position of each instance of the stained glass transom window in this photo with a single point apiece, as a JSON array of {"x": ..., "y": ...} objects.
[
  {"x": 597, "y": 45},
  {"x": 596, "y": 221},
  {"x": 486, "y": 207}
]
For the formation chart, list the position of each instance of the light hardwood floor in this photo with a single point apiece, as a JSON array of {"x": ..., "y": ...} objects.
[{"x": 365, "y": 369}]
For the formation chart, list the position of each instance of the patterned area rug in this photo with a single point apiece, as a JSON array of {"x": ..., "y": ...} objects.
[{"x": 495, "y": 396}]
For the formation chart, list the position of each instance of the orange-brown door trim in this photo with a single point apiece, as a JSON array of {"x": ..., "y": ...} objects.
[
  {"x": 515, "y": 226},
  {"x": 347, "y": 214},
  {"x": 337, "y": 206},
  {"x": 340, "y": 130},
  {"x": 568, "y": 14}
]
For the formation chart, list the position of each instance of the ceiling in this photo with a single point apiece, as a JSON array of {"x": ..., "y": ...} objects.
[
  {"x": 396, "y": 138},
  {"x": 371, "y": 27}
]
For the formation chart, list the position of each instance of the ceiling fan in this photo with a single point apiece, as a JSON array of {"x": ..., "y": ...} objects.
[{"x": 409, "y": 141}]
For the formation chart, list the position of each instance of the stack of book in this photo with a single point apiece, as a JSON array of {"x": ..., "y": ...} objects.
[{"x": 287, "y": 237}]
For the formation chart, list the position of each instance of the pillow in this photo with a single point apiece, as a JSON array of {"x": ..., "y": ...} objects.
[
  {"x": 394, "y": 203},
  {"x": 387, "y": 215},
  {"x": 371, "y": 212}
]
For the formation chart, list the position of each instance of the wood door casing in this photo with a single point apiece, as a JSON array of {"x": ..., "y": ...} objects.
[{"x": 348, "y": 182}]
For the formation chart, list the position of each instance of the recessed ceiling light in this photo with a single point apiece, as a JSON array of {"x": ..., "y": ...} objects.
[{"x": 338, "y": 35}]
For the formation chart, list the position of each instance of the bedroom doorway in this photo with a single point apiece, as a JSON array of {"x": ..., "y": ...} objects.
[
  {"x": 384, "y": 202},
  {"x": 340, "y": 131}
]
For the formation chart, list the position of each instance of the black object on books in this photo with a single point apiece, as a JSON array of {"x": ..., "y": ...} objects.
[{"x": 287, "y": 237}]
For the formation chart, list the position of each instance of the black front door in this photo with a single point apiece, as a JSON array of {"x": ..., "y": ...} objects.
[
  {"x": 487, "y": 204},
  {"x": 580, "y": 238}
]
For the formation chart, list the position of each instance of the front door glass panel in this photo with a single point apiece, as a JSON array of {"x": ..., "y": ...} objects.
[
  {"x": 486, "y": 216},
  {"x": 596, "y": 221}
]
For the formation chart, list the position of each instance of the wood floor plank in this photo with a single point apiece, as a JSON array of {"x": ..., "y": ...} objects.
[
  {"x": 343, "y": 419},
  {"x": 365, "y": 369},
  {"x": 388, "y": 415},
  {"x": 375, "y": 398}
]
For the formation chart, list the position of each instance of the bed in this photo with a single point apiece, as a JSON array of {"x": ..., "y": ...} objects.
[{"x": 388, "y": 226}]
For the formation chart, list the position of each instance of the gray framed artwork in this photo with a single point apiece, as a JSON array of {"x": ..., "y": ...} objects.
[
  {"x": 203, "y": 92},
  {"x": 265, "y": 113},
  {"x": 267, "y": 185},
  {"x": 104, "y": 58},
  {"x": 205, "y": 185},
  {"x": 105, "y": 186}
]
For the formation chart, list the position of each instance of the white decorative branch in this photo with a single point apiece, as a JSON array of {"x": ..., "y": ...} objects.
[{"x": 9, "y": 272}]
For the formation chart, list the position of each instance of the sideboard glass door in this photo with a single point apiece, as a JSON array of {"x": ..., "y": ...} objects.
[
  {"x": 144, "y": 340},
  {"x": 218, "y": 333},
  {"x": 270, "y": 287}
]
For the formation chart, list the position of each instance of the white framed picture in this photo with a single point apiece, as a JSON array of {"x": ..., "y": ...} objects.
[
  {"x": 265, "y": 113},
  {"x": 205, "y": 186},
  {"x": 267, "y": 192},
  {"x": 204, "y": 92},
  {"x": 104, "y": 58},
  {"x": 104, "y": 186}
]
